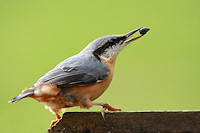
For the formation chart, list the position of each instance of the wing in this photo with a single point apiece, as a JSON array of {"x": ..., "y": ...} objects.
[{"x": 76, "y": 70}]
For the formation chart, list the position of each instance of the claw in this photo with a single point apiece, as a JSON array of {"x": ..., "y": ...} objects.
[
  {"x": 103, "y": 113},
  {"x": 54, "y": 121},
  {"x": 106, "y": 106}
]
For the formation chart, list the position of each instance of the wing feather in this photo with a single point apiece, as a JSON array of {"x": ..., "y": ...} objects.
[{"x": 76, "y": 70}]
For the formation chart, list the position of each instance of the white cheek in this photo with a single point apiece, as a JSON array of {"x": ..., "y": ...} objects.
[{"x": 112, "y": 51}]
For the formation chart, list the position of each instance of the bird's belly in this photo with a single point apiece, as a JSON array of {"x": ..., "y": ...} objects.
[
  {"x": 53, "y": 98},
  {"x": 93, "y": 91},
  {"x": 96, "y": 90}
]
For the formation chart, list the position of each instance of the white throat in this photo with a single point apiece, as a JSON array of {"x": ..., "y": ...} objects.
[{"x": 112, "y": 51}]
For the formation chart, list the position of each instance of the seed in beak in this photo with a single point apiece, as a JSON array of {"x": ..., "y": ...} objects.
[{"x": 144, "y": 31}]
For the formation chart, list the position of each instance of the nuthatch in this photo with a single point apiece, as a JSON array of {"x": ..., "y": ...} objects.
[{"x": 82, "y": 78}]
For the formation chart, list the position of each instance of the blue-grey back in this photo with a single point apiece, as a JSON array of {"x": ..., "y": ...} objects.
[{"x": 80, "y": 69}]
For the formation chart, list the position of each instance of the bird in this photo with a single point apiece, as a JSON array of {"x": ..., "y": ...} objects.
[{"x": 82, "y": 78}]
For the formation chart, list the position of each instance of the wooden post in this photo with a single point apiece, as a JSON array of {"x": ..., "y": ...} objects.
[{"x": 129, "y": 122}]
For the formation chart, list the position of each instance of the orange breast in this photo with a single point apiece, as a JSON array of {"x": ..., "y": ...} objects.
[{"x": 96, "y": 90}]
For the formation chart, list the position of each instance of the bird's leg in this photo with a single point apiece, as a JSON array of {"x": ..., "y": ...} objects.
[
  {"x": 55, "y": 121},
  {"x": 106, "y": 106}
]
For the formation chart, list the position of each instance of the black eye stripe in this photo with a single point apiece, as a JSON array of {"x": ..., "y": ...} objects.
[{"x": 109, "y": 43}]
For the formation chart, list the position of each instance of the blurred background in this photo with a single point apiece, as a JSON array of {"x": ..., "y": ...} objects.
[{"x": 157, "y": 72}]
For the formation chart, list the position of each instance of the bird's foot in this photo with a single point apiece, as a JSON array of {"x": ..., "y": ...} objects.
[
  {"x": 55, "y": 121},
  {"x": 106, "y": 106}
]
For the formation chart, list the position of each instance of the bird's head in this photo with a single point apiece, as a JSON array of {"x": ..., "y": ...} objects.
[{"x": 109, "y": 46}]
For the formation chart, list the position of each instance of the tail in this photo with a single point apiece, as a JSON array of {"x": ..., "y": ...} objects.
[{"x": 24, "y": 94}]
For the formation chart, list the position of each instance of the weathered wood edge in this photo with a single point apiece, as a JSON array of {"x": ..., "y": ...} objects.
[{"x": 140, "y": 121}]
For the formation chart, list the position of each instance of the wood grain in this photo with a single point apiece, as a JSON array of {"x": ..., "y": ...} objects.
[{"x": 129, "y": 122}]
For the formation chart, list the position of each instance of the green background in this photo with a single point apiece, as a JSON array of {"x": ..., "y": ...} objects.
[{"x": 157, "y": 72}]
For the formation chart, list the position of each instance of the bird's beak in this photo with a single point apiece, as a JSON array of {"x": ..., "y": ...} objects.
[{"x": 142, "y": 31}]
